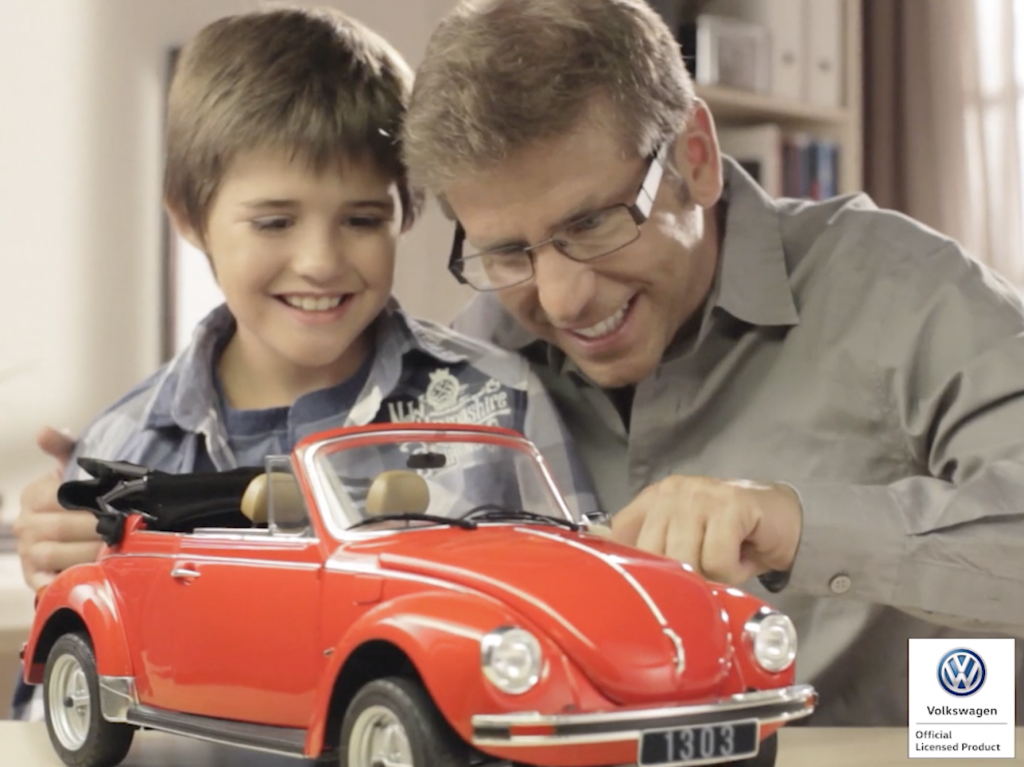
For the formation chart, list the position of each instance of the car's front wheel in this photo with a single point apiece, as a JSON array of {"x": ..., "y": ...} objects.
[
  {"x": 71, "y": 695},
  {"x": 393, "y": 722}
]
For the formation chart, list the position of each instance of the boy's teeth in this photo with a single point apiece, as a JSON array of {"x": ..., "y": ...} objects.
[
  {"x": 604, "y": 327},
  {"x": 311, "y": 304}
]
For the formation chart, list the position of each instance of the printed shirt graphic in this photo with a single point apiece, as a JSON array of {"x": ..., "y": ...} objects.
[{"x": 456, "y": 394}]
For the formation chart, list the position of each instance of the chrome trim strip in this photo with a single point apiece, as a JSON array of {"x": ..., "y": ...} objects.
[
  {"x": 284, "y": 741},
  {"x": 117, "y": 696},
  {"x": 199, "y": 559},
  {"x": 677, "y": 644},
  {"x": 781, "y": 705},
  {"x": 357, "y": 569},
  {"x": 608, "y": 561}
]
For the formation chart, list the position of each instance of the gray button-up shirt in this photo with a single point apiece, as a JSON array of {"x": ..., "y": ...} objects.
[{"x": 868, "y": 362}]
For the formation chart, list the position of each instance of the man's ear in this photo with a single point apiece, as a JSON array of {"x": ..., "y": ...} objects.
[
  {"x": 698, "y": 157},
  {"x": 184, "y": 227}
]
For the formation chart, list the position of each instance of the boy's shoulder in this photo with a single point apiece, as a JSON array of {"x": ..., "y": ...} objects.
[
  {"x": 447, "y": 345},
  {"x": 180, "y": 384}
]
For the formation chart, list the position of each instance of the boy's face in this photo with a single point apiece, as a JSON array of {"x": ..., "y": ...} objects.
[{"x": 305, "y": 261}]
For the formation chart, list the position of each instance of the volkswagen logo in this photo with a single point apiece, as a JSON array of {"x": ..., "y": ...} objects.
[{"x": 961, "y": 672}]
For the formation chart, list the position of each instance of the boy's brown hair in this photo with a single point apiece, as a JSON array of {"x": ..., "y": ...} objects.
[{"x": 313, "y": 82}]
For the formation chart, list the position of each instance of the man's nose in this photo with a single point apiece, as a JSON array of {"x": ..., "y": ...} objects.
[{"x": 564, "y": 286}]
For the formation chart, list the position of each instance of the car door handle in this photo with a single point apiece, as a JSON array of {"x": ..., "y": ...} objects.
[{"x": 185, "y": 572}]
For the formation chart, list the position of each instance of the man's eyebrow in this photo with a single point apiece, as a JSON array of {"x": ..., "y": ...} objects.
[{"x": 587, "y": 206}]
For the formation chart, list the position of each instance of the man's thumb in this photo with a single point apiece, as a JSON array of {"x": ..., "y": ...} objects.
[
  {"x": 627, "y": 524},
  {"x": 57, "y": 444}
]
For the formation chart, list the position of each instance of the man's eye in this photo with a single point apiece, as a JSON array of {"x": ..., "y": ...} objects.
[
  {"x": 271, "y": 224},
  {"x": 506, "y": 255},
  {"x": 587, "y": 223}
]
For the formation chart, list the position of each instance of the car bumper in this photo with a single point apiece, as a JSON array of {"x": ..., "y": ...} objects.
[{"x": 532, "y": 730}]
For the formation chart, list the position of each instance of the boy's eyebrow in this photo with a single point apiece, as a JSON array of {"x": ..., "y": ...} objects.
[
  {"x": 381, "y": 204},
  {"x": 269, "y": 203}
]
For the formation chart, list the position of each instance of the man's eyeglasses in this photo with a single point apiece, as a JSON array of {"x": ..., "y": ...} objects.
[{"x": 588, "y": 237}]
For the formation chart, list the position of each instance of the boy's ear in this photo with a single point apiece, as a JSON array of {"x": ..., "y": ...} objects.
[{"x": 184, "y": 227}]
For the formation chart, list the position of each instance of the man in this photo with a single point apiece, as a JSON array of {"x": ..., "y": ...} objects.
[{"x": 826, "y": 396}]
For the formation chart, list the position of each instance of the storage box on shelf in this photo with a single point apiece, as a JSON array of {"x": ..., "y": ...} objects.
[{"x": 801, "y": 131}]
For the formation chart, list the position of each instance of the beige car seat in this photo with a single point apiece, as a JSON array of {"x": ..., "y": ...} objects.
[
  {"x": 290, "y": 512},
  {"x": 397, "y": 492}
]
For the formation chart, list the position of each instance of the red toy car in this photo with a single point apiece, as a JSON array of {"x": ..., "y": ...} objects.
[{"x": 397, "y": 595}]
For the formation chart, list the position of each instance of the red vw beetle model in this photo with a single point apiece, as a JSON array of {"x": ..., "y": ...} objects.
[{"x": 398, "y": 596}]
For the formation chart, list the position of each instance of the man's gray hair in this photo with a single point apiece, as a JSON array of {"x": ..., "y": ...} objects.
[{"x": 500, "y": 75}]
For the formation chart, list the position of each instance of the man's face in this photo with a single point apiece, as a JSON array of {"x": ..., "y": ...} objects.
[
  {"x": 616, "y": 315},
  {"x": 305, "y": 261}
]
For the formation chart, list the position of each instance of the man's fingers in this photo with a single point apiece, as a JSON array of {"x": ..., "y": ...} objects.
[
  {"x": 721, "y": 553},
  {"x": 40, "y": 496},
  {"x": 684, "y": 537},
  {"x": 37, "y": 579},
  {"x": 52, "y": 557},
  {"x": 57, "y": 444},
  {"x": 627, "y": 524},
  {"x": 63, "y": 527}
]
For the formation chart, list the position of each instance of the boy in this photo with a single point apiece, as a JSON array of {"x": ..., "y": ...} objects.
[{"x": 283, "y": 166}]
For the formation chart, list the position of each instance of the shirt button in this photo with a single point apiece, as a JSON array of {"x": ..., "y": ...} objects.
[{"x": 840, "y": 584}]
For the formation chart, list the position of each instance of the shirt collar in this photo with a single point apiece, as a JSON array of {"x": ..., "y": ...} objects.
[
  {"x": 186, "y": 395},
  {"x": 752, "y": 281}
]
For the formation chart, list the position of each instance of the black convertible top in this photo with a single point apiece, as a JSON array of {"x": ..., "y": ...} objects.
[{"x": 168, "y": 502}]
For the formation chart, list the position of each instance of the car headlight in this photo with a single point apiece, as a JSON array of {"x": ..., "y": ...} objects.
[
  {"x": 511, "y": 659},
  {"x": 772, "y": 639}
]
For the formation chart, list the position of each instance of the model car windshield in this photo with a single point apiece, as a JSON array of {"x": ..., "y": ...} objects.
[{"x": 419, "y": 478}]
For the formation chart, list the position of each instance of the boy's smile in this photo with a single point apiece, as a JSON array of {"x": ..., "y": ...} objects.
[{"x": 305, "y": 258}]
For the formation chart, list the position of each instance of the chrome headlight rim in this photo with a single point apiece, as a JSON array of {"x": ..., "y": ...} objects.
[
  {"x": 500, "y": 638},
  {"x": 755, "y": 632}
]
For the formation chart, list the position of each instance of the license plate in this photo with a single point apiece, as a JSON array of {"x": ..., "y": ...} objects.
[{"x": 699, "y": 744}]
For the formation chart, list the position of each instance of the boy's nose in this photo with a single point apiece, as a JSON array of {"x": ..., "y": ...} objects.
[
  {"x": 564, "y": 286},
  {"x": 320, "y": 259}
]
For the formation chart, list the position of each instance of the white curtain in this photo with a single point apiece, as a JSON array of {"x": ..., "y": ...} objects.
[
  {"x": 944, "y": 115},
  {"x": 994, "y": 133}
]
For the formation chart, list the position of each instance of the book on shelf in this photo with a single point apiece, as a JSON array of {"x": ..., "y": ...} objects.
[{"x": 785, "y": 163}]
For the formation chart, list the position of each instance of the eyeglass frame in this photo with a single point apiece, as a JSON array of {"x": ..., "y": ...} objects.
[{"x": 639, "y": 210}]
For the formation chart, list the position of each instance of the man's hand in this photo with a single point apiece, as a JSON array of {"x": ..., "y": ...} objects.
[
  {"x": 51, "y": 538},
  {"x": 729, "y": 531}
]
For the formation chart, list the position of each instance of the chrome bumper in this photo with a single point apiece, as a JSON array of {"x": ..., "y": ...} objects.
[{"x": 530, "y": 729}]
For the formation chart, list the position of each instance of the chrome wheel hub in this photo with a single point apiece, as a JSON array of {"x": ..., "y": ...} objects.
[
  {"x": 69, "y": 702},
  {"x": 379, "y": 740}
]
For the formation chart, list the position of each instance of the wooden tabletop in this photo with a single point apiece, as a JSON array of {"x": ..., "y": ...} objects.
[{"x": 27, "y": 745}]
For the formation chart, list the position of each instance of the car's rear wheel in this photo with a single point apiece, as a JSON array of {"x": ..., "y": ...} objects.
[
  {"x": 71, "y": 695},
  {"x": 765, "y": 755},
  {"x": 393, "y": 722}
]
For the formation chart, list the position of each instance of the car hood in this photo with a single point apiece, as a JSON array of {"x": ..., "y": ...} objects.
[{"x": 642, "y": 628}]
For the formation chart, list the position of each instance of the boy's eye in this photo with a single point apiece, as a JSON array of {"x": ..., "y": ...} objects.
[
  {"x": 271, "y": 223},
  {"x": 365, "y": 222}
]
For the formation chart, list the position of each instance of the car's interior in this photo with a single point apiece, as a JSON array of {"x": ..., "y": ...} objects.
[
  {"x": 397, "y": 492},
  {"x": 276, "y": 492}
]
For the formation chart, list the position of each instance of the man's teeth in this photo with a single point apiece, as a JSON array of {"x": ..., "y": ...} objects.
[
  {"x": 604, "y": 327},
  {"x": 313, "y": 304}
]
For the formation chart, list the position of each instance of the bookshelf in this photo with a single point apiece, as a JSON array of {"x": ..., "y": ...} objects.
[{"x": 842, "y": 124}]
